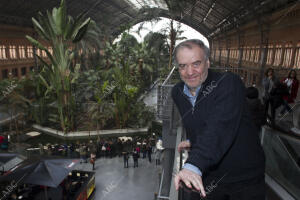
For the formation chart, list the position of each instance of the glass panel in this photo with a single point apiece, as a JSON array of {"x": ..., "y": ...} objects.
[
  {"x": 150, "y": 3},
  {"x": 280, "y": 164}
]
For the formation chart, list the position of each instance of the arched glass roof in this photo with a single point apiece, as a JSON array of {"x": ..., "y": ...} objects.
[{"x": 209, "y": 17}]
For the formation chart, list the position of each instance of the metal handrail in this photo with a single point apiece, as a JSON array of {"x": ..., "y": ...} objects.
[
  {"x": 169, "y": 76},
  {"x": 173, "y": 195}
]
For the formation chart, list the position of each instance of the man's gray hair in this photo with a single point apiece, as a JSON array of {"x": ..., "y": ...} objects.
[{"x": 189, "y": 44}]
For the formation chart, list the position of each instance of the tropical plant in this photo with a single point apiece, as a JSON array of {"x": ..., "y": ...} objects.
[
  {"x": 124, "y": 94},
  {"x": 13, "y": 102},
  {"x": 173, "y": 35},
  {"x": 158, "y": 50},
  {"x": 62, "y": 32},
  {"x": 87, "y": 50},
  {"x": 101, "y": 109}
]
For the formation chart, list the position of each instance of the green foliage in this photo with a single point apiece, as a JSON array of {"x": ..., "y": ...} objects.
[
  {"x": 124, "y": 94},
  {"x": 60, "y": 75}
]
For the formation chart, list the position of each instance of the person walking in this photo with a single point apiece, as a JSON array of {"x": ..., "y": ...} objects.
[
  {"x": 125, "y": 157},
  {"x": 158, "y": 151},
  {"x": 144, "y": 149},
  {"x": 149, "y": 152},
  {"x": 93, "y": 150},
  {"x": 268, "y": 84},
  {"x": 277, "y": 98},
  {"x": 292, "y": 84},
  {"x": 93, "y": 160},
  {"x": 135, "y": 157}
]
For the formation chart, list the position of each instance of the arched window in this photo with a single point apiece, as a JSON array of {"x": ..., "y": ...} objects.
[
  {"x": 237, "y": 54},
  {"x": 287, "y": 55},
  {"x": 38, "y": 52},
  {"x": 232, "y": 53},
  {"x": 50, "y": 49},
  {"x": 2, "y": 52},
  {"x": 278, "y": 54},
  {"x": 22, "y": 52},
  {"x": 247, "y": 54},
  {"x": 44, "y": 53},
  {"x": 270, "y": 55},
  {"x": 244, "y": 53},
  {"x": 12, "y": 52},
  {"x": 297, "y": 57},
  {"x": 257, "y": 54},
  {"x": 252, "y": 54},
  {"x": 29, "y": 52}
]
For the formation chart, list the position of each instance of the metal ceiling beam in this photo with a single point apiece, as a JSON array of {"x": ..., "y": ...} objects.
[
  {"x": 209, "y": 11},
  {"x": 121, "y": 9},
  {"x": 233, "y": 18},
  {"x": 199, "y": 27}
]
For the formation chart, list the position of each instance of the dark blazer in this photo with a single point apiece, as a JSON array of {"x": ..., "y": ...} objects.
[{"x": 224, "y": 139}]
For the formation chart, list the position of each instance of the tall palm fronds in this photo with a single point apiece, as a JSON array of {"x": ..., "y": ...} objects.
[{"x": 62, "y": 32}]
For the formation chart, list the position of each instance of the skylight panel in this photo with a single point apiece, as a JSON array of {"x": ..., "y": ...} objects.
[{"x": 138, "y": 4}]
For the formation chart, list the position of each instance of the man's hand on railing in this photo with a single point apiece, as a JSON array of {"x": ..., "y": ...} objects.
[
  {"x": 184, "y": 145},
  {"x": 191, "y": 180}
]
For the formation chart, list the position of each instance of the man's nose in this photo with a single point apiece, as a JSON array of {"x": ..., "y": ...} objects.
[{"x": 189, "y": 69}]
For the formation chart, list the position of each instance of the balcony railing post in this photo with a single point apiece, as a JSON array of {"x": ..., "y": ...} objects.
[{"x": 155, "y": 196}]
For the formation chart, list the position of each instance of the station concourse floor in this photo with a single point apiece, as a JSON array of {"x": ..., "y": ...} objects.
[{"x": 114, "y": 182}]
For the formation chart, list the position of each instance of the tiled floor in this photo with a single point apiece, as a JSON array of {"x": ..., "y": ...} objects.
[{"x": 113, "y": 182}]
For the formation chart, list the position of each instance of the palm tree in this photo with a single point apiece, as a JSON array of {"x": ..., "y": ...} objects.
[
  {"x": 87, "y": 50},
  {"x": 124, "y": 94},
  {"x": 62, "y": 32},
  {"x": 173, "y": 35},
  {"x": 158, "y": 50}
]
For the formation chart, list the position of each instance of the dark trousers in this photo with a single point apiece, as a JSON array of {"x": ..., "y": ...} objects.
[
  {"x": 149, "y": 157},
  {"x": 135, "y": 163},
  {"x": 125, "y": 163},
  {"x": 285, "y": 108},
  {"x": 245, "y": 190}
]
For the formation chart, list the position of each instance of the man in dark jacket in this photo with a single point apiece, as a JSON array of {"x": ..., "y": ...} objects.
[
  {"x": 224, "y": 147},
  {"x": 135, "y": 157}
]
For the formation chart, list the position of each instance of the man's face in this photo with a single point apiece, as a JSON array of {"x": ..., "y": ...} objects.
[{"x": 193, "y": 66}]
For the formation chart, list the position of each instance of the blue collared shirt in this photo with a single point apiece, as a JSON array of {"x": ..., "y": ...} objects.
[
  {"x": 187, "y": 92},
  {"x": 192, "y": 99}
]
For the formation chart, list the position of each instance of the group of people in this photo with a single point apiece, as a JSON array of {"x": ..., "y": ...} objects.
[
  {"x": 278, "y": 93},
  {"x": 106, "y": 148},
  {"x": 146, "y": 150}
]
